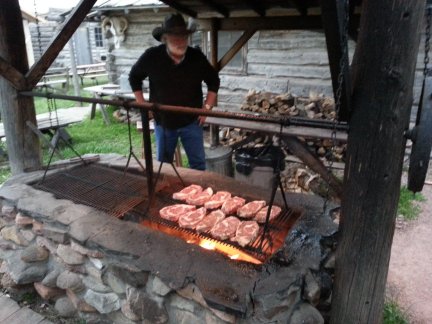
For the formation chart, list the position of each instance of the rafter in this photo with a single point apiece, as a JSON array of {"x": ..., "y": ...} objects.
[
  {"x": 15, "y": 77},
  {"x": 71, "y": 25},
  {"x": 181, "y": 8}
]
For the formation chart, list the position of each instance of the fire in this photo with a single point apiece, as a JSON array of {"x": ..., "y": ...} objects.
[
  {"x": 230, "y": 251},
  {"x": 208, "y": 245}
]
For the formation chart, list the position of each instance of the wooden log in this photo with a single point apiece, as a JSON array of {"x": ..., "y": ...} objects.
[
  {"x": 12, "y": 75},
  {"x": 23, "y": 144},
  {"x": 300, "y": 150},
  {"x": 382, "y": 84}
]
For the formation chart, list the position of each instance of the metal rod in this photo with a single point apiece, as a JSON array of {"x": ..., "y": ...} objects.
[
  {"x": 291, "y": 121},
  {"x": 147, "y": 151}
]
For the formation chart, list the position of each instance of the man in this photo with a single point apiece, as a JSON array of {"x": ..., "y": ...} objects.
[{"x": 176, "y": 72}]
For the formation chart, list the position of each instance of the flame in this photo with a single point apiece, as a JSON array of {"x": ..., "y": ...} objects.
[
  {"x": 207, "y": 245},
  {"x": 230, "y": 251}
]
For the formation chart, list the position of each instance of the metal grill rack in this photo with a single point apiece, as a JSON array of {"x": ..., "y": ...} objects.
[
  {"x": 104, "y": 188},
  {"x": 278, "y": 229}
]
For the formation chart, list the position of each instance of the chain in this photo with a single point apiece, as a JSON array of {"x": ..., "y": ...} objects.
[
  {"x": 427, "y": 40},
  {"x": 340, "y": 80}
]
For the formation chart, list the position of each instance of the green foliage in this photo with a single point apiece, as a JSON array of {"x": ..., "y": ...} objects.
[
  {"x": 5, "y": 173},
  {"x": 393, "y": 314},
  {"x": 408, "y": 207}
]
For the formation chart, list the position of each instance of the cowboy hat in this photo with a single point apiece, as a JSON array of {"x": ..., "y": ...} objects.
[{"x": 174, "y": 24}]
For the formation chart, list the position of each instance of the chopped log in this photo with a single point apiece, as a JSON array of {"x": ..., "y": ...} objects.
[{"x": 300, "y": 150}]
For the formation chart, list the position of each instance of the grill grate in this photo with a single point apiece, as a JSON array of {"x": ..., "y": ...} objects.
[
  {"x": 278, "y": 229},
  {"x": 104, "y": 188}
]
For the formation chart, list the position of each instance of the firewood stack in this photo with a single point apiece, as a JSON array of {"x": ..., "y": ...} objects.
[{"x": 314, "y": 107}]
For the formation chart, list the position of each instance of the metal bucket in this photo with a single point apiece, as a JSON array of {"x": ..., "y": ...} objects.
[{"x": 219, "y": 160}]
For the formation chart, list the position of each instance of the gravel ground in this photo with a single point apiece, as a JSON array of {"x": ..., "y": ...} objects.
[{"x": 410, "y": 272}]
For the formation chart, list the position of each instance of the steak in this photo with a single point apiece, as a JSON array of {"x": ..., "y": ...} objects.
[
  {"x": 192, "y": 218},
  {"x": 246, "y": 233},
  {"x": 260, "y": 217},
  {"x": 230, "y": 206},
  {"x": 210, "y": 221},
  {"x": 201, "y": 198},
  {"x": 225, "y": 229},
  {"x": 187, "y": 192},
  {"x": 173, "y": 212},
  {"x": 250, "y": 209},
  {"x": 217, "y": 199}
]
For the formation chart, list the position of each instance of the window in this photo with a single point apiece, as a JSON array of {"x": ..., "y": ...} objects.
[
  {"x": 98, "y": 37},
  {"x": 226, "y": 39}
]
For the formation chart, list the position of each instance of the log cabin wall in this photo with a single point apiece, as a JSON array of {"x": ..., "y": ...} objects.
[{"x": 48, "y": 30}]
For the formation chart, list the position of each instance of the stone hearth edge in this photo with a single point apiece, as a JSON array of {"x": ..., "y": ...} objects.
[{"x": 104, "y": 269}]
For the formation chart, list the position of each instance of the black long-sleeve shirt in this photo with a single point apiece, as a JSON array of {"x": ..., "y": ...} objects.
[{"x": 174, "y": 84}]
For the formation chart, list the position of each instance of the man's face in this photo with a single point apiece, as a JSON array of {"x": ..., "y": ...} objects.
[{"x": 177, "y": 44}]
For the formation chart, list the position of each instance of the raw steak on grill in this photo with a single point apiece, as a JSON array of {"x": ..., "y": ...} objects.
[
  {"x": 201, "y": 198},
  {"x": 192, "y": 218},
  {"x": 225, "y": 229},
  {"x": 210, "y": 221},
  {"x": 231, "y": 205},
  {"x": 173, "y": 212},
  {"x": 260, "y": 217},
  {"x": 187, "y": 192},
  {"x": 217, "y": 199},
  {"x": 246, "y": 232},
  {"x": 250, "y": 209}
]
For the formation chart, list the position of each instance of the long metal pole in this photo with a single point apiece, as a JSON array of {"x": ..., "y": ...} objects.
[
  {"x": 147, "y": 151},
  {"x": 292, "y": 121}
]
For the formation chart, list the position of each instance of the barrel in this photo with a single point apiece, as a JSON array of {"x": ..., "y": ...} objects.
[
  {"x": 219, "y": 160},
  {"x": 257, "y": 165}
]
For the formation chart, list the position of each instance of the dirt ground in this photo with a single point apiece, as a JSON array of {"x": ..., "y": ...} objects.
[{"x": 410, "y": 273}]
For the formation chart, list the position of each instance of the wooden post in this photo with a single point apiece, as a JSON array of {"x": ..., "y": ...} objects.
[
  {"x": 22, "y": 143},
  {"x": 214, "y": 129},
  {"x": 382, "y": 97}
]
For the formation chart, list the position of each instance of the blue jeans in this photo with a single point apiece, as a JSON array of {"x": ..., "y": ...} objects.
[{"x": 191, "y": 137}]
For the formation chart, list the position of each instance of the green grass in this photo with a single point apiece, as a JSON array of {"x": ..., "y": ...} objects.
[
  {"x": 408, "y": 206},
  {"x": 41, "y": 104},
  {"x": 93, "y": 136},
  {"x": 393, "y": 314}
]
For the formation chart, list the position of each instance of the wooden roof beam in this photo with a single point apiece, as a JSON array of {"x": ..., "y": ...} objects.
[
  {"x": 263, "y": 23},
  {"x": 181, "y": 8},
  {"x": 218, "y": 7},
  {"x": 71, "y": 25},
  {"x": 257, "y": 6},
  {"x": 15, "y": 77}
]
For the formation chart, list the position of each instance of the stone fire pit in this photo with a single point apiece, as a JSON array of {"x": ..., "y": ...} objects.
[{"x": 101, "y": 268}]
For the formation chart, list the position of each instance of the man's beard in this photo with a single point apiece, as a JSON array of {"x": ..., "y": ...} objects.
[{"x": 177, "y": 51}]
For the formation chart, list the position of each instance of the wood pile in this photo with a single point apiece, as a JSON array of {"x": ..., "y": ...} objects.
[{"x": 315, "y": 106}]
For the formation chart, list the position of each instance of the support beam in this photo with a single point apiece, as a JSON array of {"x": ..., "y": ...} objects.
[
  {"x": 333, "y": 15},
  {"x": 300, "y": 150},
  {"x": 386, "y": 53},
  {"x": 22, "y": 143},
  {"x": 247, "y": 34},
  {"x": 214, "y": 40},
  {"x": 11, "y": 74},
  {"x": 60, "y": 40},
  {"x": 179, "y": 7}
]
